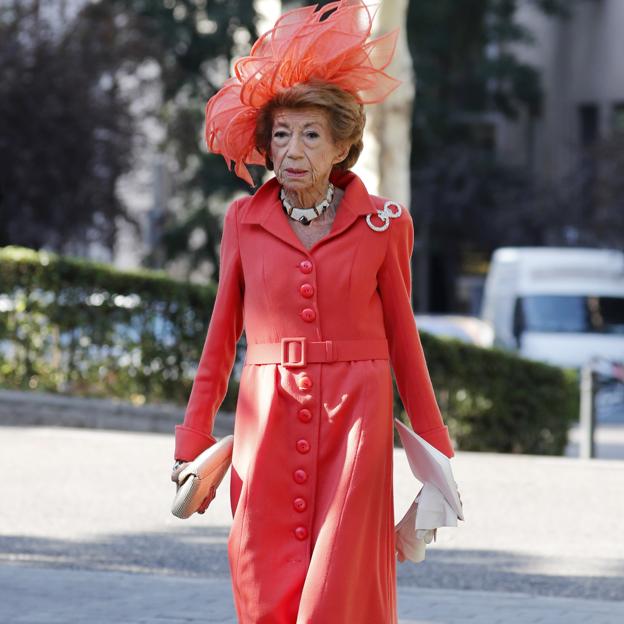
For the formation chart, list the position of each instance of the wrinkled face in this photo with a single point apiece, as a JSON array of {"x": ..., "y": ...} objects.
[{"x": 302, "y": 148}]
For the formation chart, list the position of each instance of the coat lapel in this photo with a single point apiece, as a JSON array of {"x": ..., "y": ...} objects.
[{"x": 265, "y": 209}]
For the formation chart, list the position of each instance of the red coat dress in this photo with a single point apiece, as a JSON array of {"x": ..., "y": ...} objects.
[{"x": 312, "y": 539}]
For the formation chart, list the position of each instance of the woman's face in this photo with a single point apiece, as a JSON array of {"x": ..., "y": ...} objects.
[{"x": 303, "y": 150}]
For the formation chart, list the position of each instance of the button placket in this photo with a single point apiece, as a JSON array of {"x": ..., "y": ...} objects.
[
  {"x": 300, "y": 504},
  {"x": 300, "y": 476},
  {"x": 308, "y": 314},
  {"x": 304, "y": 414},
  {"x": 305, "y": 266},
  {"x": 303, "y": 446},
  {"x": 306, "y": 290},
  {"x": 304, "y": 382}
]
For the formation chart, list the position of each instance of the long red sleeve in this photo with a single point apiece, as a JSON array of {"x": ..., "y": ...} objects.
[
  {"x": 219, "y": 351},
  {"x": 406, "y": 353}
]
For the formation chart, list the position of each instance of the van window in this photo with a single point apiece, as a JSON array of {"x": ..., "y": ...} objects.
[{"x": 570, "y": 313}]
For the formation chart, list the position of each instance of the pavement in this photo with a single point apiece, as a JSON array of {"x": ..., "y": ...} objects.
[
  {"x": 71, "y": 597},
  {"x": 86, "y": 536}
]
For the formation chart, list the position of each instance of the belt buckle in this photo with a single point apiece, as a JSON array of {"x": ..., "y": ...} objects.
[{"x": 285, "y": 351}]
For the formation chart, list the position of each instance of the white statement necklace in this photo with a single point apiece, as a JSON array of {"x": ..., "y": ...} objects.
[{"x": 306, "y": 215}]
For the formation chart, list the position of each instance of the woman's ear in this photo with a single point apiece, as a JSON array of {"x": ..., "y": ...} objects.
[{"x": 342, "y": 153}]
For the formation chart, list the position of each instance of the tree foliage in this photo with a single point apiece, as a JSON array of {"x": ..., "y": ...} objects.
[
  {"x": 69, "y": 125},
  {"x": 466, "y": 65},
  {"x": 65, "y": 132},
  {"x": 196, "y": 42},
  {"x": 468, "y": 74},
  {"x": 587, "y": 206}
]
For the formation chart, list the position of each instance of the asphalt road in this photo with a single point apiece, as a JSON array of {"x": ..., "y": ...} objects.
[{"x": 99, "y": 500}]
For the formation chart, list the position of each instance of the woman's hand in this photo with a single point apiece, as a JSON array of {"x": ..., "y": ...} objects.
[
  {"x": 175, "y": 473},
  {"x": 177, "y": 469}
]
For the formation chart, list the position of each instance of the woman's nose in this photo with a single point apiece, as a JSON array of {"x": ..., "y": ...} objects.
[{"x": 294, "y": 147}]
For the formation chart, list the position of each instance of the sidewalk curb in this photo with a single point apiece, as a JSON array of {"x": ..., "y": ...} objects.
[
  {"x": 48, "y": 409},
  {"x": 18, "y": 408}
]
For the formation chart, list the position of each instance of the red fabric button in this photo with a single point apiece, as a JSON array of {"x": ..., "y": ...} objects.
[
  {"x": 301, "y": 532},
  {"x": 300, "y": 504},
  {"x": 305, "y": 266},
  {"x": 300, "y": 475},
  {"x": 308, "y": 314},
  {"x": 306, "y": 290},
  {"x": 303, "y": 446},
  {"x": 305, "y": 383},
  {"x": 305, "y": 415}
]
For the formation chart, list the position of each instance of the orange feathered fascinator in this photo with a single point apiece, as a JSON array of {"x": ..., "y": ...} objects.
[{"x": 305, "y": 44}]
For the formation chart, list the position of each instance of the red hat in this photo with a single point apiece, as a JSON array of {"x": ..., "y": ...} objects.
[{"x": 305, "y": 44}]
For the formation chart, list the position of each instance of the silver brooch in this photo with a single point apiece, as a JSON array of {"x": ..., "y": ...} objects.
[{"x": 385, "y": 214}]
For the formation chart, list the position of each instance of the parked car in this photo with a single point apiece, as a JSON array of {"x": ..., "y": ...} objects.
[
  {"x": 564, "y": 306},
  {"x": 466, "y": 328}
]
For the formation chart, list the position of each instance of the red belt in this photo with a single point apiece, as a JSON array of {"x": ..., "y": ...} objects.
[{"x": 298, "y": 351}]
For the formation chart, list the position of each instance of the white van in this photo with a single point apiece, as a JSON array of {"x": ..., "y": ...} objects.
[{"x": 561, "y": 305}]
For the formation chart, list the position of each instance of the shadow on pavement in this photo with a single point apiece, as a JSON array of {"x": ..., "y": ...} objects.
[
  {"x": 202, "y": 552},
  {"x": 506, "y": 571},
  {"x": 193, "y": 551}
]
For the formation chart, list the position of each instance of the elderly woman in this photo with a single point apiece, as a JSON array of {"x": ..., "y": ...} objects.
[{"x": 317, "y": 272}]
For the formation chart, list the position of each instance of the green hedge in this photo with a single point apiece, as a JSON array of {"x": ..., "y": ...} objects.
[
  {"x": 493, "y": 400},
  {"x": 84, "y": 328}
]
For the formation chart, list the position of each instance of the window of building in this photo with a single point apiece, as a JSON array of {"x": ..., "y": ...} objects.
[
  {"x": 618, "y": 117},
  {"x": 588, "y": 124}
]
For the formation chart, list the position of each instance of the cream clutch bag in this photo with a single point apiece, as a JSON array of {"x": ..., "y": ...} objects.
[{"x": 201, "y": 477}]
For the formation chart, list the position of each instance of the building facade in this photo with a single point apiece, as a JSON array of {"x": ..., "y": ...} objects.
[{"x": 580, "y": 60}]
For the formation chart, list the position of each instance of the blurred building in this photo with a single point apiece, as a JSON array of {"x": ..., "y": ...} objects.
[
  {"x": 580, "y": 59},
  {"x": 582, "y": 78}
]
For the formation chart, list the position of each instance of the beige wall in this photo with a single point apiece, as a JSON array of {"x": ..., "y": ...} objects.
[
  {"x": 384, "y": 163},
  {"x": 581, "y": 60},
  {"x": 394, "y": 114}
]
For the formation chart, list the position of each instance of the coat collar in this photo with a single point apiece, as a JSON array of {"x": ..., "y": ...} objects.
[{"x": 265, "y": 208}]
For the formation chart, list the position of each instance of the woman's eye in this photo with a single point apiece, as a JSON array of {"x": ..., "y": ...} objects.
[
  {"x": 312, "y": 135},
  {"x": 279, "y": 134}
]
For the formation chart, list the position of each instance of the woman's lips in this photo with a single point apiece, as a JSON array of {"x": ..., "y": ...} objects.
[{"x": 295, "y": 172}]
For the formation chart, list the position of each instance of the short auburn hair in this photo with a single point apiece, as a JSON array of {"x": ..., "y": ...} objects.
[{"x": 345, "y": 115}]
